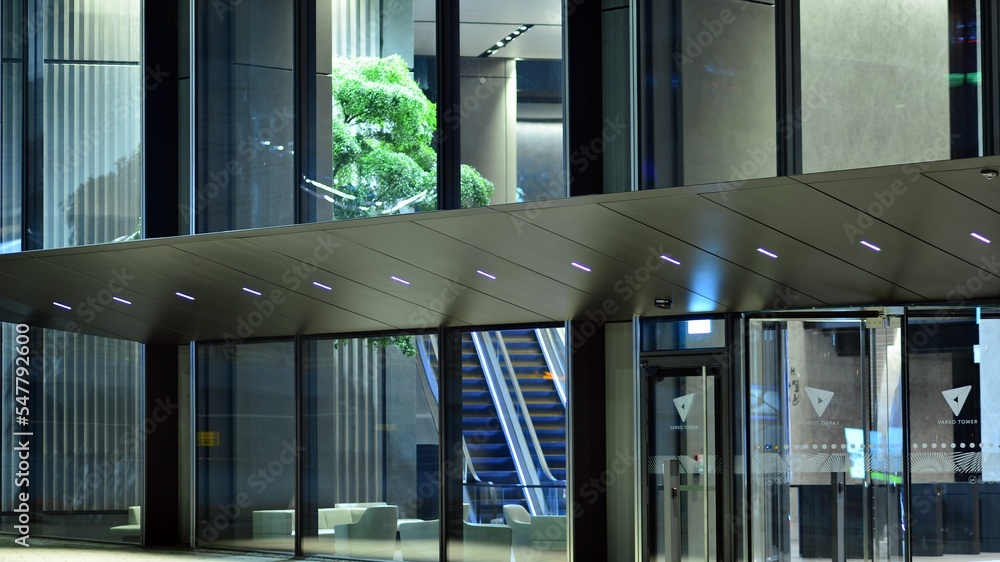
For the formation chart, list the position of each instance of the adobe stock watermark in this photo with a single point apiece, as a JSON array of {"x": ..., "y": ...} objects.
[
  {"x": 257, "y": 482},
  {"x": 264, "y": 307},
  {"x": 124, "y": 111},
  {"x": 218, "y": 181},
  {"x": 423, "y": 317},
  {"x": 470, "y": 103},
  {"x": 884, "y": 199},
  {"x": 625, "y": 288},
  {"x": 760, "y": 156},
  {"x": 695, "y": 45},
  {"x": 581, "y": 158},
  {"x": 126, "y": 452}
]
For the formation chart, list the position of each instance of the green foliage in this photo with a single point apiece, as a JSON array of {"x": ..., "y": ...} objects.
[
  {"x": 383, "y": 132},
  {"x": 403, "y": 343}
]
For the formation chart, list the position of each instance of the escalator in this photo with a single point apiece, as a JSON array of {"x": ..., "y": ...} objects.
[
  {"x": 483, "y": 434},
  {"x": 545, "y": 406},
  {"x": 514, "y": 427}
]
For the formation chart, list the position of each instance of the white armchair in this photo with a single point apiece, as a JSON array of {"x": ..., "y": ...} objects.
[
  {"x": 487, "y": 543},
  {"x": 373, "y": 536}
]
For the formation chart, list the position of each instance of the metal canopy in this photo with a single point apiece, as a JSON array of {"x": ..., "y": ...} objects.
[{"x": 421, "y": 271}]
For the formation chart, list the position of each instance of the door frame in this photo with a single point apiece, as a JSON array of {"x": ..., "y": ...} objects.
[
  {"x": 869, "y": 319},
  {"x": 727, "y": 512}
]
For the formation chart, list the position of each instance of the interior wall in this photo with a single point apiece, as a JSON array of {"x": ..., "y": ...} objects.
[
  {"x": 489, "y": 123},
  {"x": 727, "y": 53},
  {"x": 874, "y": 83}
]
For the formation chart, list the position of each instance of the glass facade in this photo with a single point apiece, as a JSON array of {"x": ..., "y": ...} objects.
[
  {"x": 79, "y": 416},
  {"x": 707, "y": 92},
  {"x": 74, "y": 434},
  {"x": 511, "y": 107},
  {"x": 363, "y": 435},
  {"x": 863, "y": 434},
  {"x": 922, "y": 89},
  {"x": 11, "y": 115},
  {"x": 852, "y": 457}
]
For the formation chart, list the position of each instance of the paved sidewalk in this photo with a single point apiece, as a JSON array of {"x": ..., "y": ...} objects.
[{"x": 51, "y": 550}]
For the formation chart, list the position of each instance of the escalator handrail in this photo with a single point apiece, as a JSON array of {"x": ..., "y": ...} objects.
[
  {"x": 554, "y": 361},
  {"x": 429, "y": 383},
  {"x": 524, "y": 408},
  {"x": 523, "y": 464}
]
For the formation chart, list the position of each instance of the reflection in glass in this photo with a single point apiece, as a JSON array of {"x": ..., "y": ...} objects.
[
  {"x": 825, "y": 419},
  {"x": 245, "y": 111},
  {"x": 953, "y": 430},
  {"x": 375, "y": 421},
  {"x": 920, "y": 89},
  {"x": 511, "y": 104},
  {"x": 246, "y": 446},
  {"x": 92, "y": 124},
  {"x": 684, "y": 472},
  {"x": 707, "y": 92},
  {"x": 11, "y": 114},
  {"x": 84, "y": 414}
]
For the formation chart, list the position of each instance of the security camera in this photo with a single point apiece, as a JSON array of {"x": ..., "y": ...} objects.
[
  {"x": 663, "y": 303},
  {"x": 989, "y": 174}
]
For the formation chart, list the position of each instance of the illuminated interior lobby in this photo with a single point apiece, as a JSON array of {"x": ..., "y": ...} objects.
[{"x": 422, "y": 280}]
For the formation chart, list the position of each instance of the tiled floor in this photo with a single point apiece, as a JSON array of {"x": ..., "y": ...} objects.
[{"x": 48, "y": 550}]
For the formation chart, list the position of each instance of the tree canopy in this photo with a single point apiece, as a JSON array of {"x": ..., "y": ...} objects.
[{"x": 383, "y": 135}]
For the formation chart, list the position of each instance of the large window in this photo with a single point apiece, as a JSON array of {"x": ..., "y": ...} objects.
[
  {"x": 954, "y": 431},
  {"x": 511, "y": 104},
  {"x": 707, "y": 92},
  {"x": 345, "y": 131},
  {"x": 374, "y": 415},
  {"x": 74, "y": 131},
  {"x": 903, "y": 85},
  {"x": 11, "y": 114},
  {"x": 246, "y": 447},
  {"x": 514, "y": 444},
  {"x": 81, "y": 434}
]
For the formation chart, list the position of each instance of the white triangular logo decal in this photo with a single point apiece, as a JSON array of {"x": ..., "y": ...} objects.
[
  {"x": 956, "y": 397},
  {"x": 820, "y": 399},
  {"x": 683, "y": 405}
]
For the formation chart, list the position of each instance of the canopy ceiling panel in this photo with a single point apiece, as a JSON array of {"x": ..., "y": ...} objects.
[{"x": 337, "y": 278}]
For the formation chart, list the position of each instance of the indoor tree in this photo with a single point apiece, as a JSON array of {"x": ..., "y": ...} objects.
[{"x": 383, "y": 132}]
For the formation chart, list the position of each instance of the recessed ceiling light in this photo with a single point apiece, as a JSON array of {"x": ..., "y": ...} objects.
[
  {"x": 322, "y": 286},
  {"x": 251, "y": 291},
  {"x": 121, "y": 300},
  {"x": 872, "y": 246},
  {"x": 767, "y": 253},
  {"x": 581, "y": 266},
  {"x": 505, "y": 41},
  {"x": 665, "y": 257},
  {"x": 487, "y": 275},
  {"x": 980, "y": 237},
  {"x": 61, "y": 305},
  {"x": 400, "y": 280},
  {"x": 184, "y": 296}
]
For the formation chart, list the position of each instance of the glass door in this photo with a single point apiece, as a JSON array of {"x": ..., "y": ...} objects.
[
  {"x": 682, "y": 440},
  {"x": 826, "y": 438}
]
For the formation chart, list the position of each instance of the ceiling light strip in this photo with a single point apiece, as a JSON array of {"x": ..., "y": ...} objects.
[{"x": 506, "y": 40}]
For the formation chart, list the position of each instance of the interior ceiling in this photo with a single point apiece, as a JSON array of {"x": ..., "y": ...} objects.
[
  {"x": 485, "y": 22},
  {"x": 813, "y": 223}
]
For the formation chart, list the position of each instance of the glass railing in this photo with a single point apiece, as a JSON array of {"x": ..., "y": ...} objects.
[{"x": 487, "y": 499}]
